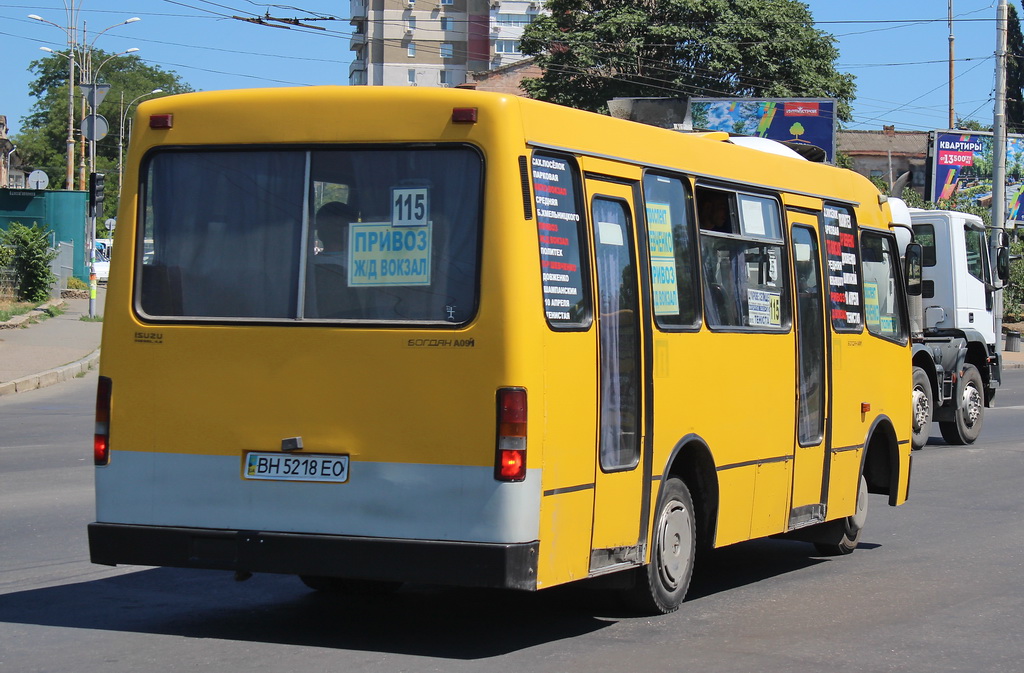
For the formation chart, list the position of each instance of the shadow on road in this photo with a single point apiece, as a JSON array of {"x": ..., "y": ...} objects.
[{"x": 417, "y": 620}]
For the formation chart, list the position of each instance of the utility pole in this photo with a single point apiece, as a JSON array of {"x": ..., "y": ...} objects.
[
  {"x": 999, "y": 160},
  {"x": 952, "y": 103}
]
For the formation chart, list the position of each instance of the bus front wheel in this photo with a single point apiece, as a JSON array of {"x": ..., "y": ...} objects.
[{"x": 661, "y": 585}]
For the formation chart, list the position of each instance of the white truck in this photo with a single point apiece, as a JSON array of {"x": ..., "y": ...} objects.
[{"x": 953, "y": 323}]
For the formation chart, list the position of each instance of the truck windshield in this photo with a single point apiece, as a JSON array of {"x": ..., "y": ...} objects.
[{"x": 366, "y": 235}]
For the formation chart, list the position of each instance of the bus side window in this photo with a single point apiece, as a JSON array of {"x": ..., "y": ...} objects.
[
  {"x": 670, "y": 240},
  {"x": 743, "y": 265}
]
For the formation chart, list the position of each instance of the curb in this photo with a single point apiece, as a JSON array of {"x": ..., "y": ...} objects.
[{"x": 51, "y": 376}]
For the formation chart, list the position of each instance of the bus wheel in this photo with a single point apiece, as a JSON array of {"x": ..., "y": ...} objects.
[
  {"x": 922, "y": 409},
  {"x": 350, "y": 587},
  {"x": 839, "y": 537},
  {"x": 661, "y": 585},
  {"x": 970, "y": 411}
]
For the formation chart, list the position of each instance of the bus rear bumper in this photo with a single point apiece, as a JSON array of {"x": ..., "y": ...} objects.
[{"x": 497, "y": 565}]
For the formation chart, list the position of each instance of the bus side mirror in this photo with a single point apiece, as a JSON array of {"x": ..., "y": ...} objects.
[
  {"x": 1003, "y": 258},
  {"x": 912, "y": 268}
]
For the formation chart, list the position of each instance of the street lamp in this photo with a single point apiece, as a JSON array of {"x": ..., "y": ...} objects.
[
  {"x": 69, "y": 181},
  {"x": 7, "y": 176},
  {"x": 94, "y": 113},
  {"x": 83, "y": 50},
  {"x": 120, "y": 138}
]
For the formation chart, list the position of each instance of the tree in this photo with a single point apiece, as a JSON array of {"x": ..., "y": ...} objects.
[
  {"x": 594, "y": 50},
  {"x": 1014, "y": 72},
  {"x": 43, "y": 142}
]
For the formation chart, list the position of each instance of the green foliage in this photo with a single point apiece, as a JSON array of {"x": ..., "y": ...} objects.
[
  {"x": 32, "y": 257},
  {"x": 957, "y": 203},
  {"x": 1013, "y": 296},
  {"x": 595, "y": 50},
  {"x": 6, "y": 256},
  {"x": 76, "y": 283},
  {"x": 971, "y": 125},
  {"x": 43, "y": 142},
  {"x": 1014, "y": 72}
]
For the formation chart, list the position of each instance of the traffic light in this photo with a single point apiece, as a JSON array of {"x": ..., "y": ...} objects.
[{"x": 96, "y": 194}]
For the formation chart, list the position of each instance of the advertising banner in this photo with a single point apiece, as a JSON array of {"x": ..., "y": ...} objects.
[
  {"x": 962, "y": 167},
  {"x": 810, "y": 121}
]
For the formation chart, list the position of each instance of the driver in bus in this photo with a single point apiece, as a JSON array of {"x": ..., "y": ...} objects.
[{"x": 333, "y": 296}]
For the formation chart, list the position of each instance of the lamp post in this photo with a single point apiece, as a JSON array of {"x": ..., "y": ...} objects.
[
  {"x": 69, "y": 31},
  {"x": 120, "y": 138},
  {"x": 82, "y": 52},
  {"x": 7, "y": 175},
  {"x": 94, "y": 113},
  {"x": 93, "y": 104}
]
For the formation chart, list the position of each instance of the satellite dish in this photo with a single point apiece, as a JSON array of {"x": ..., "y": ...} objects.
[
  {"x": 110, "y": 224},
  {"x": 38, "y": 180}
]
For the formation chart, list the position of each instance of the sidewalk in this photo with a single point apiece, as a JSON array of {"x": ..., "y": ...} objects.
[{"x": 51, "y": 350}]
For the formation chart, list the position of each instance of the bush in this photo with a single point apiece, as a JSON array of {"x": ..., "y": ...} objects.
[
  {"x": 76, "y": 283},
  {"x": 32, "y": 257}
]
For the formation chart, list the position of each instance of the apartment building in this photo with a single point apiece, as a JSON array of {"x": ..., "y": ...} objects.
[{"x": 434, "y": 42}]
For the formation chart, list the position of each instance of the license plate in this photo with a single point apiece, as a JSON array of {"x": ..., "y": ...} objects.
[{"x": 285, "y": 467}]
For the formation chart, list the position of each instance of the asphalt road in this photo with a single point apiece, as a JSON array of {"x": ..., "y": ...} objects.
[{"x": 935, "y": 586}]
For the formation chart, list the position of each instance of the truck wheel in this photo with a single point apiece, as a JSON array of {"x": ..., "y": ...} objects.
[
  {"x": 840, "y": 537},
  {"x": 922, "y": 408},
  {"x": 661, "y": 585},
  {"x": 970, "y": 412}
]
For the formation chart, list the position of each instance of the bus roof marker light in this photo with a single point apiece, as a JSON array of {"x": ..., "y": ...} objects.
[
  {"x": 510, "y": 459},
  {"x": 164, "y": 121},
  {"x": 464, "y": 115}
]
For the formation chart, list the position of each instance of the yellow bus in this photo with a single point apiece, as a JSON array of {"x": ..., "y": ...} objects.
[{"x": 371, "y": 335}]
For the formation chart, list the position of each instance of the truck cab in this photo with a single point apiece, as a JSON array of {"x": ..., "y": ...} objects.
[{"x": 956, "y": 358}]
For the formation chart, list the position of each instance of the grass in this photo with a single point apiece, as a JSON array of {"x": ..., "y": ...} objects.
[
  {"x": 10, "y": 308},
  {"x": 95, "y": 318}
]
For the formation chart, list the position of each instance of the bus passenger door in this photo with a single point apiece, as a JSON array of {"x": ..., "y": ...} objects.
[
  {"x": 619, "y": 487},
  {"x": 811, "y": 465}
]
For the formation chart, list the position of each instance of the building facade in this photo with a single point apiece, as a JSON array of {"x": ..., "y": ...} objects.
[
  {"x": 434, "y": 42},
  {"x": 878, "y": 154}
]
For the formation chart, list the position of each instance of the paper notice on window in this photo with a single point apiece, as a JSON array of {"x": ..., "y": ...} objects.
[{"x": 382, "y": 255}]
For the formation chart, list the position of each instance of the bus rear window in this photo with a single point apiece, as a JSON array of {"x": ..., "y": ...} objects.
[{"x": 378, "y": 235}]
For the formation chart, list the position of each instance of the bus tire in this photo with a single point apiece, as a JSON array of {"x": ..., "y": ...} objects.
[
  {"x": 970, "y": 411},
  {"x": 349, "y": 587},
  {"x": 922, "y": 410},
  {"x": 660, "y": 586},
  {"x": 840, "y": 537}
]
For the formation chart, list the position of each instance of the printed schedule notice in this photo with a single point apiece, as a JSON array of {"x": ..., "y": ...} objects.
[
  {"x": 843, "y": 279},
  {"x": 558, "y": 235}
]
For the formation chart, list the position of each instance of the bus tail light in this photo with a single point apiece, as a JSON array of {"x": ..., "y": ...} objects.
[
  {"x": 101, "y": 436},
  {"x": 510, "y": 461}
]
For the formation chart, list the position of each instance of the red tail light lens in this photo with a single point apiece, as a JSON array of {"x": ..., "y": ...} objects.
[
  {"x": 510, "y": 461},
  {"x": 161, "y": 121},
  {"x": 101, "y": 436},
  {"x": 464, "y": 115}
]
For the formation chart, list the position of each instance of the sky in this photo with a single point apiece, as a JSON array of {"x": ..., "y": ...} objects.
[{"x": 898, "y": 51}]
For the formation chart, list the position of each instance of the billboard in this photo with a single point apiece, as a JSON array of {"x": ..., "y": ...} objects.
[
  {"x": 810, "y": 121},
  {"x": 961, "y": 167}
]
